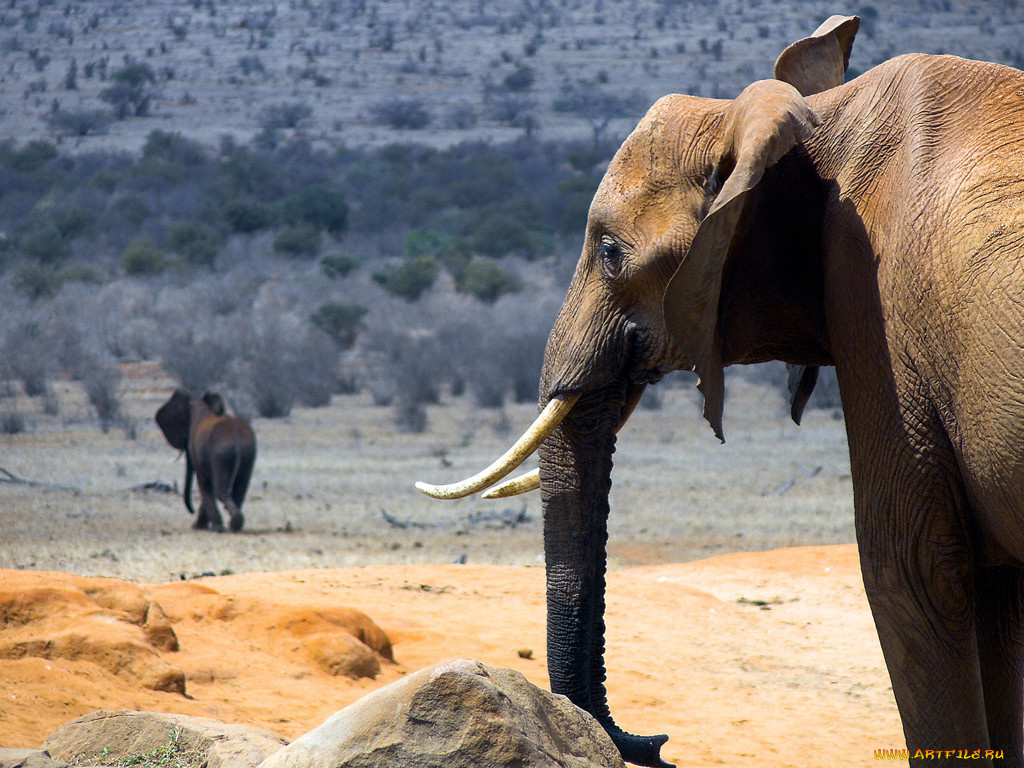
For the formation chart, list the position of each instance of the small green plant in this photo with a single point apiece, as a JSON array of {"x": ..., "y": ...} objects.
[
  {"x": 45, "y": 244},
  {"x": 521, "y": 79},
  {"x": 143, "y": 258},
  {"x": 409, "y": 280},
  {"x": 300, "y": 241},
  {"x": 501, "y": 234},
  {"x": 409, "y": 114},
  {"x": 172, "y": 147},
  {"x": 167, "y": 755},
  {"x": 28, "y": 159},
  {"x": 78, "y": 122},
  {"x": 286, "y": 114},
  {"x": 81, "y": 273},
  {"x": 487, "y": 281},
  {"x": 197, "y": 243},
  {"x": 127, "y": 210},
  {"x": 74, "y": 222},
  {"x": 453, "y": 253},
  {"x": 244, "y": 216},
  {"x": 37, "y": 281},
  {"x": 342, "y": 322},
  {"x": 318, "y": 205},
  {"x": 12, "y": 422},
  {"x": 130, "y": 93},
  {"x": 337, "y": 265}
]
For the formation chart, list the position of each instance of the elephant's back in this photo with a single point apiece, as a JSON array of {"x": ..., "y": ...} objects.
[
  {"x": 224, "y": 439},
  {"x": 935, "y": 176}
]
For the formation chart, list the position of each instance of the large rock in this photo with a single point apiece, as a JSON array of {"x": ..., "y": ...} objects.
[
  {"x": 28, "y": 758},
  {"x": 459, "y": 714},
  {"x": 176, "y": 739}
]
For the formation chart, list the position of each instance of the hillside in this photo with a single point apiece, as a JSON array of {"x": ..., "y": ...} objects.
[{"x": 478, "y": 70}]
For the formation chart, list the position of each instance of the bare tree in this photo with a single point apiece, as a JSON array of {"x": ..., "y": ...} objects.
[{"x": 597, "y": 105}]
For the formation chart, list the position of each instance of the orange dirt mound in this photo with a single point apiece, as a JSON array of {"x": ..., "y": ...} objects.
[{"x": 747, "y": 659}]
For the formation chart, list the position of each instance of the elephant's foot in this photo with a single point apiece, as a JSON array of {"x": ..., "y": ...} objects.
[
  {"x": 237, "y": 521},
  {"x": 199, "y": 525},
  {"x": 639, "y": 750}
]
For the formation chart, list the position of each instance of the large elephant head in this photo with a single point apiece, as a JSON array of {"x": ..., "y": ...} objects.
[
  {"x": 693, "y": 192},
  {"x": 175, "y": 416}
]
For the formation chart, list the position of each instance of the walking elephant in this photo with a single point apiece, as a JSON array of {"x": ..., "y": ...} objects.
[
  {"x": 875, "y": 225},
  {"x": 220, "y": 450}
]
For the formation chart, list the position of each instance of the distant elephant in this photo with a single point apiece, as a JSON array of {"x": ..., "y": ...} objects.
[
  {"x": 219, "y": 449},
  {"x": 877, "y": 226}
]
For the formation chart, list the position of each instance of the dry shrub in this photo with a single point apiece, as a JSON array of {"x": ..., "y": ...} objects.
[
  {"x": 286, "y": 362},
  {"x": 11, "y": 420},
  {"x": 27, "y": 356},
  {"x": 101, "y": 381},
  {"x": 197, "y": 363}
]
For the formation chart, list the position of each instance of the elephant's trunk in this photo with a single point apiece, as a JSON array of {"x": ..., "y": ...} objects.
[
  {"x": 190, "y": 471},
  {"x": 575, "y": 475}
]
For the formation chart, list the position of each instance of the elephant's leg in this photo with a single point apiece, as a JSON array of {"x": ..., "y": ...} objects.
[
  {"x": 237, "y": 497},
  {"x": 1000, "y": 630},
  {"x": 922, "y": 601},
  {"x": 209, "y": 516},
  {"x": 225, "y": 473},
  {"x": 235, "y": 517},
  {"x": 919, "y": 572},
  {"x": 208, "y": 512}
]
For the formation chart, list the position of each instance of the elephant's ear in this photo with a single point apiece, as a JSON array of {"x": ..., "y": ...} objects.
[
  {"x": 819, "y": 62},
  {"x": 764, "y": 122},
  {"x": 173, "y": 419},
  {"x": 215, "y": 403},
  {"x": 812, "y": 65}
]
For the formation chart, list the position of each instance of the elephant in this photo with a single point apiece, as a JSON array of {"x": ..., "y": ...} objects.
[
  {"x": 875, "y": 225},
  {"x": 219, "y": 449}
]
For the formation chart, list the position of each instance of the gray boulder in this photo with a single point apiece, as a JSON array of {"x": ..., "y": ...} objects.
[
  {"x": 111, "y": 737},
  {"x": 459, "y": 714},
  {"x": 28, "y": 758}
]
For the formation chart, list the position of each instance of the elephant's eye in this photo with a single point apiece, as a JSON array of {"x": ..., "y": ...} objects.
[{"x": 610, "y": 254}]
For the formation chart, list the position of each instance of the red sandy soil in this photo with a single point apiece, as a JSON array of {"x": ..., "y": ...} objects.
[{"x": 760, "y": 659}]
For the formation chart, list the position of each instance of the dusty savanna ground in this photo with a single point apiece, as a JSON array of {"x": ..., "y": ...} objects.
[{"x": 756, "y": 659}]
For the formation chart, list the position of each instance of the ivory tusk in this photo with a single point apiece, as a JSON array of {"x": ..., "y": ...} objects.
[
  {"x": 531, "y": 480},
  {"x": 544, "y": 425},
  {"x": 517, "y": 485}
]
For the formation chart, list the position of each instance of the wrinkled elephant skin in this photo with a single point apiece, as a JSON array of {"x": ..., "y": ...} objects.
[{"x": 876, "y": 225}]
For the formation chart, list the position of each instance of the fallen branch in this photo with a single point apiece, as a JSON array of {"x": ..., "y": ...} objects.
[
  {"x": 6, "y": 476},
  {"x": 781, "y": 489},
  {"x": 394, "y": 522},
  {"x": 156, "y": 485},
  {"x": 505, "y": 518}
]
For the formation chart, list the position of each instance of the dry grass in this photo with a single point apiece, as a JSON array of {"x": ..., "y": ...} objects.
[{"x": 334, "y": 487}]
